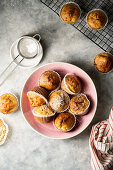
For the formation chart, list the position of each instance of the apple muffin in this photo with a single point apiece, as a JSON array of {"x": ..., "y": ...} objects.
[
  {"x": 65, "y": 121},
  {"x": 43, "y": 114},
  {"x": 104, "y": 62},
  {"x": 79, "y": 104},
  {"x": 70, "y": 13},
  {"x": 50, "y": 80},
  {"x": 59, "y": 101},
  {"x": 97, "y": 19},
  {"x": 71, "y": 84},
  {"x": 8, "y": 103},
  {"x": 37, "y": 96}
]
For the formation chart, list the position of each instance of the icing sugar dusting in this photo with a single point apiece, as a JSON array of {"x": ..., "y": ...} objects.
[
  {"x": 28, "y": 47},
  {"x": 60, "y": 101}
]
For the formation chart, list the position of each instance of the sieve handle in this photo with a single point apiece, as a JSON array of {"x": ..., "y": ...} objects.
[
  {"x": 37, "y": 36},
  {"x": 8, "y": 70}
]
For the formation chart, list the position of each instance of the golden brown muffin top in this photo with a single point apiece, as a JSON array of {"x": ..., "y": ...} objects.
[
  {"x": 96, "y": 19},
  {"x": 73, "y": 83},
  {"x": 70, "y": 13},
  {"x": 35, "y": 99},
  {"x": 59, "y": 100},
  {"x": 43, "y": 110},
  {"x": 8, "y": 103},
  {"x": 49, "y": 80},
  {"x": 104, "y": 62},
  {"x": 79, "y": 103},
  {"x": 64, "y": 121}
]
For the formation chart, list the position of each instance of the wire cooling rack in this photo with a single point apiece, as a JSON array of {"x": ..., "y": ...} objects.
[{"x": 104, "y": 37}]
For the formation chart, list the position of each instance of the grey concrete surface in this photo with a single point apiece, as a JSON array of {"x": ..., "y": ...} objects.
[{"x": 24, "y": 148}]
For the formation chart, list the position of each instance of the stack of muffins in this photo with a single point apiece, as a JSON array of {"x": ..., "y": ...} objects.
[{"x": 60, "y": 101}]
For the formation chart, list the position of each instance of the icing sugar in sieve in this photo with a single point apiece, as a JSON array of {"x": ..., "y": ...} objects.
[{"x": 28, "y": 47}]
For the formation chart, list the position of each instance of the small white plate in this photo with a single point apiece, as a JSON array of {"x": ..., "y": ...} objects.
[{"x": 26, "y": 62}]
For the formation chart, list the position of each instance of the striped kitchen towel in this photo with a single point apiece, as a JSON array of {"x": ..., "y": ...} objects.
[{"x": 101, "y": 144}]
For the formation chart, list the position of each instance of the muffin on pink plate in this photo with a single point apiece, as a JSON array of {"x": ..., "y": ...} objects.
[
  {"x": 65, "y": 121},
  {"x": 59, "y": 101},
  {"x": 37, "y": 96},
  {"x": 79, "y": 104},
  {"x": 50, "y": 80},
  {"x": 71, "y": 84},
  {"x": 43, "y": 114}
]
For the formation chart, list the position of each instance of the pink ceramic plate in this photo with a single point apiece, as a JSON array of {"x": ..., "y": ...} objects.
[{"x": 48, "y": 129}]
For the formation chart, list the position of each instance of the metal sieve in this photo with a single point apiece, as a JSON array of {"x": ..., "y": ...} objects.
[{"x": 28, "y": 48}]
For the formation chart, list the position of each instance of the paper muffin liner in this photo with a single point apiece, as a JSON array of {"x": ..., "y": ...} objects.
[
  {"x": 97, "y": 10},
  {"x": 58, "y": 76},
  {"x": 43, "y": 118},
  {"x": 86, "y": 110},
  {"x": 67, "y": 98},
  {"x": 8, "y": 92},
  {"x": 65, "y": 87},
  {"x": 70, "y": 2},
  {"x": 72, "y": 126},
  {"x": 59, "y": 81},
  {"x": 6, "y": 133}
]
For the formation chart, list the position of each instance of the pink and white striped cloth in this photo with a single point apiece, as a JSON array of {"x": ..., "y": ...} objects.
[{"x": 101, "y": 144}]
